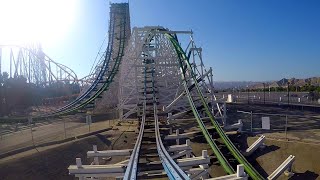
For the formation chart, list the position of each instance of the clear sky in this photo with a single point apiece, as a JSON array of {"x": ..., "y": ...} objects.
[{"x": 247, "y": 40}]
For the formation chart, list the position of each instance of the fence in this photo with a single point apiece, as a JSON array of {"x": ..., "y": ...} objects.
[
  {"x": 282, "y": 126},
  {"x": 294, "y": 98},
  {"x": 18, "y": 136}
]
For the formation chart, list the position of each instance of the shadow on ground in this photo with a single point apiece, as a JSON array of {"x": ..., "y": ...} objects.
[
  {"x": 104, "y": 139},
  {"x": 308, "y": 175}
]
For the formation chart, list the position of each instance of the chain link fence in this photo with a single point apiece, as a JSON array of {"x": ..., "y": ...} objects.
[
  {"x": 282, "y": 126},
  {"x": 281, "y": 98},
  {"x": 18, "y": 137}
]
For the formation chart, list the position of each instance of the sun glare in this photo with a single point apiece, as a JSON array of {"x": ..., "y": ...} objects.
[{"x": 28, "y": 21}]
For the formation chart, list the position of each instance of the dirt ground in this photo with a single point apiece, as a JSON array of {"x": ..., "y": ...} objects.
[
  {"x": 265, "y": 160},
  {"x": 52, "y": 162},
  {"x": 307, "y": 159},
  {"x": 20, "y": 135},
  {"x": 302, "y": 125}
]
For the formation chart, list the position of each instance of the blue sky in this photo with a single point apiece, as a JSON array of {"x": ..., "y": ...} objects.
[{"x": 242, "y": 40}]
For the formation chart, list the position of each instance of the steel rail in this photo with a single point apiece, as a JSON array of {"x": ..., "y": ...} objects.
[
  {"x": 77, "y": 104},
  {"x": 131, "y": 171},
  {"x": 253, "y": 173},
  {"x": 171, "y": 167},
  {"x": 46, "y": 58},
  {"x": 222, "y": 160},
  {"x": 212, "y": 144},
  {"x": 101, "y": 73},
  {"x": 112, "y": 74}
]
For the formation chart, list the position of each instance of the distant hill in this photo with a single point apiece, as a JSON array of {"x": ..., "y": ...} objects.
[
  {"x": 314, "y": 81},
  {"x": 220, "y": 85}
]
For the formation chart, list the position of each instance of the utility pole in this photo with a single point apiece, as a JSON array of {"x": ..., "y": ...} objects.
[
  {"x": 264, "y": 93},
  {"x": 288, "y": 94},
  {"x": 248, "y": 93}
]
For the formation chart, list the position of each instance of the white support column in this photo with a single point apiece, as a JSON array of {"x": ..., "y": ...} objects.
[
  {"x": 95, "y": 159},
  {"x": 78, "y": 163},
  {"x": 180, "y": 136},
  {"x": 240, "y": 171},
  {"x": 188, "y": 143},
  {"x": 204, "y": 155},
  {"x": 255, "y": 145},
  {"x": 180, "y": 154},
  {"x": 169, "y": 119},
  {"x": 237, "y": 126},
  {"x": 109, "y": 153},
  {"x": 285, "y": 167},
  {"x": 120, "y": 114},
  {"x": 177, "y": 134}
]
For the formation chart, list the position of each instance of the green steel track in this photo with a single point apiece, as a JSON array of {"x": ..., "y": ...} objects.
[
  {"x": 111, "y": 76},
  {"x": 184, "y": 66},
  {"x": 98, "y": 93}
]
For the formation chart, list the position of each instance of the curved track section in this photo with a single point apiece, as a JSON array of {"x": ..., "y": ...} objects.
[
  {"x": 101, "y": 84},
  {"x": 223, "y": 161},
  {"x": 172, "y": 170},
  {"x": 109, "y": 69},
  {"x": 185, "y": 68},
  {"x": 33, "y": 64}
]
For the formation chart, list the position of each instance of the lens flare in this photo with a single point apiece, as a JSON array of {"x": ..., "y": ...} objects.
[{"x": 41, "y": 21}]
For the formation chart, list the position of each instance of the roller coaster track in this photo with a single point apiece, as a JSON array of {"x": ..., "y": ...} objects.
[
  {"x": 104, "y": 78},
  {"x": 46, "y": 59},
  {"x": 184, "y": 67},
  {"x": 172, "y": 170},
  {"x": 85, "y": 99}
]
